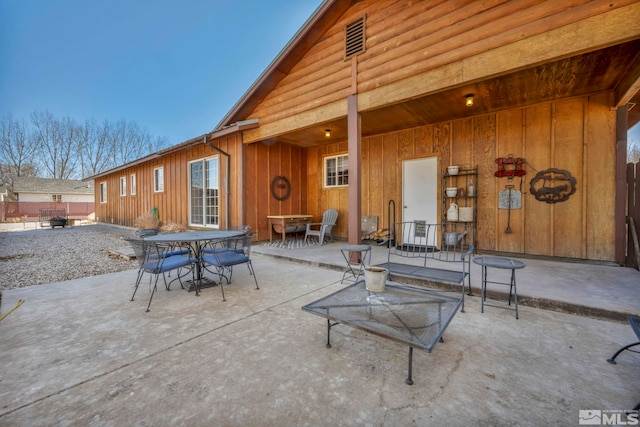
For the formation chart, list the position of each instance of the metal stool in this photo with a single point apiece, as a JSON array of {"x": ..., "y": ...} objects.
[
  {"x": 504, "y": 264},
  {"x": 355, "y": 269}
]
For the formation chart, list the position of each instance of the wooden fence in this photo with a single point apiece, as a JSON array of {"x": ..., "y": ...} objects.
[{"x": 30, "y": 211}]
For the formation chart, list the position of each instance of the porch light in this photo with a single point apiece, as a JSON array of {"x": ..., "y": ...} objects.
[
  {"x": 469, "y": 100},
  {"x": 327, "y": 133}
]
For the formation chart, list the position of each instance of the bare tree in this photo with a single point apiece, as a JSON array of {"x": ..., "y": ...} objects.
[
  {"x": 58, "y": 140},
  {"x": 130, "y": 142},
  {"x": 95, "y": 150},
  {"x": 63, "y": 149},
  {"x": 16, "y": 150},
  {"x": 633, "y": 153}
]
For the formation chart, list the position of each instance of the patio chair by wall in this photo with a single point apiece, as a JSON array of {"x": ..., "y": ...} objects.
[
  {"x": 634, "y": 322},
  {"x": 208, "y": 249},
  {"x": 235, "y": 251},
  {"x": 322, "y": 229},
  {"x": 156, "y": 259}
]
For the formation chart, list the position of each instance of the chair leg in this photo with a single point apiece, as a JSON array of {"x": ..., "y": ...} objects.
[
  {"x": 154, "y": 290},
  {"x": 222, "y": 290},
  {"x": 613, "y": 358},
  {"x": 251, "y": 272},
  {"x": 138, "y": 279}
]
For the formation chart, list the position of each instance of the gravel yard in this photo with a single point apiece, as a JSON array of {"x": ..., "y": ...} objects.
[{"x": 38, "y": 256}]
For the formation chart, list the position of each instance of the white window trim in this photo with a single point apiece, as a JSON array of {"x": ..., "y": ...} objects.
[
  {"x": 158, "y": 186},
  {"x": 133, "y": 184},
  {"x": 123, "y": 186},
  {"x": 202, "y": 160},
  {"x": 103, "y": 194},
  {"x": 324, "y": 171}
]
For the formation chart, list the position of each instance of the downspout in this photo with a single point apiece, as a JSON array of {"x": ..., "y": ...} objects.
[{"x": 226, "y": 184}]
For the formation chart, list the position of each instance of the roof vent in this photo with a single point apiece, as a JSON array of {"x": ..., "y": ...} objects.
[{"x": 354, "y": 43}]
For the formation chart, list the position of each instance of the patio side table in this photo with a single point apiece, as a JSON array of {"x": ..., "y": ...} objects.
[
  {"x": 504, "y": 264},
  {"x": 355, "y": 269}
]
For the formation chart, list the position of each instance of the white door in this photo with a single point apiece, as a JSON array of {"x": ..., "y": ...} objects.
[{"x": 420, "y": 190}]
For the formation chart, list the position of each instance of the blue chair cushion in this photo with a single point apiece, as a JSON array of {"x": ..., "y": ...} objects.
[
  {"x": 225, "y": 259},
  {"x": 170, "y": 263}
]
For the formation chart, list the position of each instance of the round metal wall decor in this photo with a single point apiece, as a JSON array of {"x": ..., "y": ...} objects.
[
  {"x": 280, "y": 188},
  {"x": 553, "y": 185}
]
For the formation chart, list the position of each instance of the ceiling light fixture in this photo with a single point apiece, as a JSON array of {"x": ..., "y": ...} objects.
[
  {"x": 327, "y": 133},
  {"x": 469, "y": 100}
]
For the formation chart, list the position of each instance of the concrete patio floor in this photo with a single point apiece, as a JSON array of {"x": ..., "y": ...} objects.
[{"x": 80, "y": 353}]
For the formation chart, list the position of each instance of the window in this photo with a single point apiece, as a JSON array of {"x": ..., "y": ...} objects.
[
  {"x": 204, "y": 200},
  {"x": 158, "y": 180},
  {"x": 56, "y": 198},
  {"x": 123, "y": 186},
  {"x": 103, "y": 192},
  {"x": 336, "y": 171},
  {"x": 133, "y": 184}
]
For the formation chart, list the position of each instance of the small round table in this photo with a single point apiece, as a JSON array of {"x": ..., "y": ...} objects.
[
  {"x": 363, "y": 250},
  {"x": 504, "y": 264}
]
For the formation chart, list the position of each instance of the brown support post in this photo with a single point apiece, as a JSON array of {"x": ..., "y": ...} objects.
[
  {"x": 621, "y": 185},
  {"x": 354, "y": 143}
]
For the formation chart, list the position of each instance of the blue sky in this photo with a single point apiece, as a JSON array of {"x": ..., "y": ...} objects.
[{"x": 173, "y": 67}]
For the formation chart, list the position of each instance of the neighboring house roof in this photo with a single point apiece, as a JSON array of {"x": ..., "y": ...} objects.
[{"x": 51, "y": 186}]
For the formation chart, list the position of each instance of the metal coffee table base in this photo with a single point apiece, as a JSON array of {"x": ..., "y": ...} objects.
[{"x": 406, "y": 314}]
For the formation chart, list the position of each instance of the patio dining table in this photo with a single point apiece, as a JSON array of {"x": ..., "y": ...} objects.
[{"x": 196, "y": 240}]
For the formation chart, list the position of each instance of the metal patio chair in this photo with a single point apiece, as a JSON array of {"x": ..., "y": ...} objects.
[
  {"x": 158, "y": 259},
  {"x": 208, "y": 249},
  {"x": 322, "y": 229},
  {"x": 634, "y": 322},
  {"x": 235, "y": 251}
]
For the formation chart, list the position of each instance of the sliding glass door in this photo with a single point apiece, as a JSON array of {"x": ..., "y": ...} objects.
[{"x": 204, "y": 203}]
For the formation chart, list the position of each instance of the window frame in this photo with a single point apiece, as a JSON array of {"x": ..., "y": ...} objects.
[
  {"x": 132, "y": 190},
  {"x": 123, "y": 186},
  {"x": 103, "y": 192},
  {"x": 338, "y": 177},
  {"x": 56, "y": 198},
  {"x": 158, "y": 179},
  {"x": 207, "y": 210}
]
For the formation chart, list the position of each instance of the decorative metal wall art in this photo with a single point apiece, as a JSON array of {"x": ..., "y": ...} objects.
[
  {"x": 553, "y": 185},
  {"x": 510, "y": 167},
  {"x": 280, "y": 188}
]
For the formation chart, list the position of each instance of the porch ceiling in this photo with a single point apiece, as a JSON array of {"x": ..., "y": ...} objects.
[{"x": 596, "y": 71}]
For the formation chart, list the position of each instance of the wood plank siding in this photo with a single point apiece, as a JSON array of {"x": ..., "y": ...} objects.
[
  {"x": 547, "y": 78},
  {"x": 546, "y": 135},
  {"x": 417, "y": 48},
  {"x": 172, "y": 203}
]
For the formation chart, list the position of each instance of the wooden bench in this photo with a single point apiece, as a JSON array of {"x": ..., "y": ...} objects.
[{"x": 437, "y": 253}]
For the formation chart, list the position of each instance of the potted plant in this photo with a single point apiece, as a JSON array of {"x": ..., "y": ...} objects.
[{"x": 148, "y": 225}]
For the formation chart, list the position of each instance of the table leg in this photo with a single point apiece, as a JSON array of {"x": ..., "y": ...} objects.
[
  {"x": 409, "y": 380},
  {"x": 270, "y": 231},
  {"x": 284, "y": 233},
  {"x": 484, "y": 288},
  {"x": 515, "y": 291}
]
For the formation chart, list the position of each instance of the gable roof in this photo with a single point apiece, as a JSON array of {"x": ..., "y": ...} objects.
[
  {"x": 51, "y": 186},
  {"x": 325, "y": 16}
]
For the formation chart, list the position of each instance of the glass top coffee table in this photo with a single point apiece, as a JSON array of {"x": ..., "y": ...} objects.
[{"x": 403, "y": 313}]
